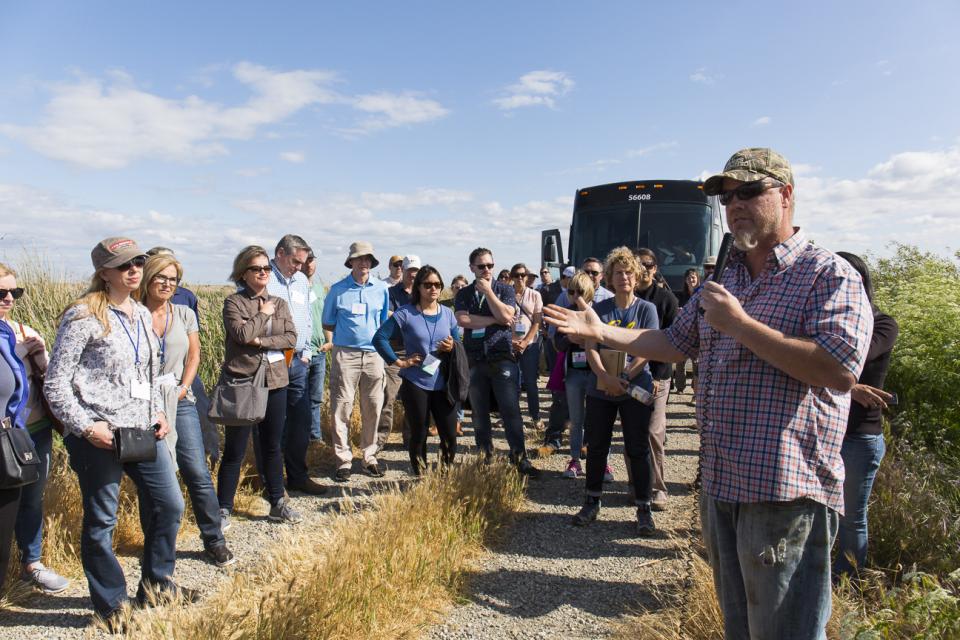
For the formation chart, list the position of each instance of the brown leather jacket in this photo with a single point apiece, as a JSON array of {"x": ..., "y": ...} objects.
[{"x": 243, "y": 322}]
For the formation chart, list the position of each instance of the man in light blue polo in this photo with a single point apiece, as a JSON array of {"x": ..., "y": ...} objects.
[
  {"x": 354, "y": 309},
  {"x": 290, "y": 284}
]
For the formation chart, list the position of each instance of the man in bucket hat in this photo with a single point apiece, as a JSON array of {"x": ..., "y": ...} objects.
[
  {"x": 782, "y": 340},
  {"x": 355, "y": 308}
]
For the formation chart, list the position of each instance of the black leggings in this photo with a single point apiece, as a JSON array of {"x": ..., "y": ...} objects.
[
  {"x": 9, "y": 503},
  {"x": 269, "y": 433},
  {"x": 635, "y": 419},
  {"x": 417, "y": 404}
]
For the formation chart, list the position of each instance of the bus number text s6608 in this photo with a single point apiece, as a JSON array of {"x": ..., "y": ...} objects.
[{"x": 638, "y": 196}]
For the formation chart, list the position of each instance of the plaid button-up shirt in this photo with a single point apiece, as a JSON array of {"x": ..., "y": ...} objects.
[{"x": 767, "y": 437}]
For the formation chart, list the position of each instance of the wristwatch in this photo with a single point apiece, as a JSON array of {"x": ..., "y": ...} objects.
[{"x": 86, "y": 433}]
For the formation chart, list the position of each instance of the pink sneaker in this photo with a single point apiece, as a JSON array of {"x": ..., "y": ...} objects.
[
  {"x": 608, "y": 474},
  {"x": 574, "y": 470}
]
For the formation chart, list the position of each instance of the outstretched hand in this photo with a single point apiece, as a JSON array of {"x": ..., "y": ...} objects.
[{"x": 584, "y": 323}]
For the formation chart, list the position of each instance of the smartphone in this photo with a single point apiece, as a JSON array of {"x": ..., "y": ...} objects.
[{"x": 894, "y": 401}]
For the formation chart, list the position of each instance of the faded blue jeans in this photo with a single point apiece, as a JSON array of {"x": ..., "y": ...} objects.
[
  {"x": 317, "y": 376},
  {"x": 161, "y": 502},
  {"x": 500, "y": 377},
  {"x": 771, "y": 566},
  {"x": 861, "y": 453},
  {"x": 529, "y": 363},
  {"x": 196, "y": 474},
  {"x": 29, "y": 527},
  {"x": 576, "y": 386}
]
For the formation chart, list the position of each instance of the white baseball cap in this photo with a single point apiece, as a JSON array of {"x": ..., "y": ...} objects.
[
  {"x": 411, "y": 262},
  {"x": 569, "y": 272}
]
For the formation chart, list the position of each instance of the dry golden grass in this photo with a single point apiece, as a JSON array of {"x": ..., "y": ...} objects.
[{"x": 384, "y": 572}]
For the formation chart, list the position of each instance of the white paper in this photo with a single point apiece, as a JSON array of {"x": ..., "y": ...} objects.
[
  {"x": 359, "y": 308},
  {"x": 297, "y": 297},
  {"x": 274, "y": 356},
  {"x": 430, "y": 364},
  {"x": 139, "y": 390}
]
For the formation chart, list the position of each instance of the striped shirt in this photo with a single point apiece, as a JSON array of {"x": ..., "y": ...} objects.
[
  {"x": 297, "y": 293},
  {"x": 767, "y": 437}
]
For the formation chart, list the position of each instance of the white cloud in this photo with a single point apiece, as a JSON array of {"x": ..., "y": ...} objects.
[
  {"x": 762, "y": 121},
  {"x": 537, "y": 88},
  {"x": 296, "y": 157},
  {"x": 253, "y": 172},
  {"x": 643, "y": 151},
  {"x": 701, "y": 76},
  {"x": 884, "y": 67},
  {"x": 110, "y": 123}
]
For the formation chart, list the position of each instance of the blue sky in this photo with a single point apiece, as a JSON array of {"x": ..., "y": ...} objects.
[{"x": 433, "y": 127}]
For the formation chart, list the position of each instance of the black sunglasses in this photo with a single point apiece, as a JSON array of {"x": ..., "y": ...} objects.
[
  {"x": 137, "y": 262},
  {"x": 398, "y": 263},
  {"x": 482, "y": 267},
  {"x": 259, "y": 269},
  {"x": 518, "y": 275},
  {"x": 747, "y": 191},
  {"x": 648, "y": 265},
  {"x": 592, "y": 273},
  {"x": 16, "y": 293},
  {"x": 432, "y": 285}
]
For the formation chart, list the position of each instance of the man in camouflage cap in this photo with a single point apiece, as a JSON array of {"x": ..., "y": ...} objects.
[{"x": 781, "y": 342}]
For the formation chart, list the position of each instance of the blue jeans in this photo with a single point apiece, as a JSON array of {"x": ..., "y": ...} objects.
[
  {"x": 99, "y": 475},
  {"x": 317, "y": 376},
  {"x": 576, "y": 388},
  {"x": 29, "y": 527},
  {"x": 771, "y": 566},
  {"x": 296, "y": 428},
  {"x": 861, "y": 453},
  {"x": 529, "y": 363},
  {"x": 196, "y": 474},
  {"x": 500, "y": 377}
]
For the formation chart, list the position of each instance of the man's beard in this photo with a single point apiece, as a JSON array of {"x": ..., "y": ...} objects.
[{"x": 745, "y": 240}]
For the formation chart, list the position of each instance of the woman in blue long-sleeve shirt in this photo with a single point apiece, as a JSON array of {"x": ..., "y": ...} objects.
[{"x": 428, "y": 330}]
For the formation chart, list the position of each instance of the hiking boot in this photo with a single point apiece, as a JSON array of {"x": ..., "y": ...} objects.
[
  {"x": 220, "y": 555},
  {"x": 526, "y": 468},
  {"x": 608, "y": 474},
  {"x": 645, "y": 526},
  {"x": 574, "y": 470},
  {"x": 374, "y": 470},
  {"x": 308, "y": 486},
  {"x": 283, "y": 512},
  {"x": 47, "y": 580},
  {"x": 152, "y": 594},
  {"x": 225, "y": 522},
  {"x": 342, "y": 475},
  {"x": 588, "y": 512}
]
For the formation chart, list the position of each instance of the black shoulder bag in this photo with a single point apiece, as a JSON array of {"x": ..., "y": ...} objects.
[{"x": 19, "y": 462}]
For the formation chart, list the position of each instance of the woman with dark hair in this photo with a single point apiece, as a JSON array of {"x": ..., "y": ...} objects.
[
  {"x": 259, "y": 328},
  {"x": 102, "y": 377},
  {"x": 427, "y": 330},
  {"x": 863, "y": 446},
  {"x": 691, "y": 282}
]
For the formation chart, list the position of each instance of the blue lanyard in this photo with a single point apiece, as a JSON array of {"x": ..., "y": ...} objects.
[
  {"x": 135, "y": 345},
  {"x": 431, "y": 334}
]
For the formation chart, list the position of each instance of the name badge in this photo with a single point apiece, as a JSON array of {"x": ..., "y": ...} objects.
[
  {"x": 627, "y": 361},
  {"x": 139, "y": 390},
  {"x": 297, "y": 297},
  {"x": 274, "y": 356},
  {"x": 519, "y": 331},
  {"x": 359, "y": 309},
  {"x": 478, "y": 333},
  {"x": 578, "y": 358},
  {"x": 430, "y": 364},
  {"x": 167, "y": 380}
]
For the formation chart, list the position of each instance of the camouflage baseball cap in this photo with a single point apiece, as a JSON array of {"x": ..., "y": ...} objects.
[{"x": 748, "y": 165}]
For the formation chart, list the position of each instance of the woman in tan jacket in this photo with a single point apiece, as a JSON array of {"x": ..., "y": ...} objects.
[{"x": 259, "y": 328}]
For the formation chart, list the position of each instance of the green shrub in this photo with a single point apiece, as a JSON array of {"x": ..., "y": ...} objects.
[{"x": 921, "y": 607}]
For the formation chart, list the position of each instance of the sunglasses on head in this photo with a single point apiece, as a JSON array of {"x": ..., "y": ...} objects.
[
  {"x": 16, "y": 293},
  {"x": 258, "y": 269},
  {"x": 484, "y": 267},
  {"x": 137, "y": 262},
  {"x": 432, "y": 285},
  {"x": 747, "y": 191}
]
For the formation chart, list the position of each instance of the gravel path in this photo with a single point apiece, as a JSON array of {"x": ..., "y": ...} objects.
[{"x": 544, "y": 577}]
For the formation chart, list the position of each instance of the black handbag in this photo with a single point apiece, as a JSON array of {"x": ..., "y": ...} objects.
[
  {"x": 19, "y": 462},
  {"x": 135, "y": 445}
]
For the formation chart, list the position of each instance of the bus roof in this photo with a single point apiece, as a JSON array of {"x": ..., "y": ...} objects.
[{"x": 641, "y": 191}]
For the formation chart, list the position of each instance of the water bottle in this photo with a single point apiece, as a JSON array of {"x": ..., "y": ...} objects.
[{"x": 640, "y": 394}]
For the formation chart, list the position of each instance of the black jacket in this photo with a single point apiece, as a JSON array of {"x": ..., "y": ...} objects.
[{"x": 455, "y": 369}]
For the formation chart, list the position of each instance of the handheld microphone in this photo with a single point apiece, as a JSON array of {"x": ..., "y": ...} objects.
[{"x": 721, "y": 260}]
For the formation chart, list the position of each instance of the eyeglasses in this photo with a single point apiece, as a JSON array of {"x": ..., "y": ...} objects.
[
  {"x": 591, "y": 273},
  {"x": 258, "y": 269},
  {"x": 137, "y": 262},
  {"x": 165, "y": 280},
  {"x": 518, "y": 275},
  {"x": 16, "y": 293},
  {"x": 747, "y": 191},
  {"x": 432, "y": 285},
  {"x": 398, "y": 263},
  {"x": 484, "y": 267}
]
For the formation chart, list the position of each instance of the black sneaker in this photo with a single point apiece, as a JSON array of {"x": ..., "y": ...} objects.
[
  {"x": 309, "y": 486},
  {"x": 588, "y": 512},
  {"x": 374, "y": 470},
  {"x": 526, "y": 468},
  {"x": 342, "y": 475},
  {"x": 283, "y": 512},
  {"x": 220, "y": 555},
  {"x": 645, "y": 526}
]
